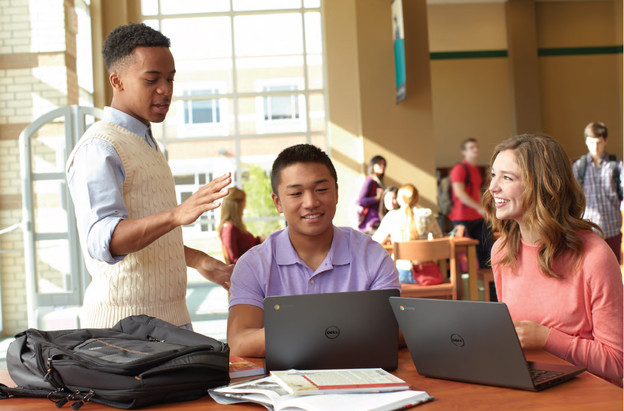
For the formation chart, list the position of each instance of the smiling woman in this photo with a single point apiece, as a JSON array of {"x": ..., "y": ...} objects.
[{"x": 560, "y": 280}]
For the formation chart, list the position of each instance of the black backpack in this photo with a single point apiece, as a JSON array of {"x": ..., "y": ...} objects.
[
  {"x": 140, "y": 361},
  {"x": 445, "y": 192}
]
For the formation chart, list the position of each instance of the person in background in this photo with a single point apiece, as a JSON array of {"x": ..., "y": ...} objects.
[
  {"x": 466, "y": 182},
  {"x": 235, "y": 238},
  {"x": 559, "y": 279},
  {"x": 128, "y": 218},
  {"x": 310, "y": 256},
  {"x": 388, "y": 201},
  {"x": 370, "y": 195},
  {"x": 408, "y": 222},
  {"x": 600, "y": 176}
]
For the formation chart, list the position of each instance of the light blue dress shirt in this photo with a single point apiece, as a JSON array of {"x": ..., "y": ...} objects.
[{"x": 95, "y": 180}]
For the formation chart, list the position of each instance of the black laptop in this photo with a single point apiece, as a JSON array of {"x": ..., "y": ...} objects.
[
  {"x": 471, "y": 341},
  {"x": 335, "y": 330}
]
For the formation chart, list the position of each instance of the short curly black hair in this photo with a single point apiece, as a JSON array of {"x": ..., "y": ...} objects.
[
  {"x": 122, "y": 41},
  {"x": 300, "y": 153}
]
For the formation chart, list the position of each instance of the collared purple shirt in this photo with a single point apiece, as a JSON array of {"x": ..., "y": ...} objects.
[
  {"x": 602, "y": 205},
  {"x": 354, "y": 263}
]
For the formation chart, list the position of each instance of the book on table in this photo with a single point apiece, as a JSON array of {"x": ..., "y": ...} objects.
[
  {"x": 241, "y": 368},
  {"x": 357, "y": 380},
  {"x": 267, "y": 392}
]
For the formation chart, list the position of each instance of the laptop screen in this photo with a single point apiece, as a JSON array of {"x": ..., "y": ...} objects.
[{"x": 333, "y": 330}]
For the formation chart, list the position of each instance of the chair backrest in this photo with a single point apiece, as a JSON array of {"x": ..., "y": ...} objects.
[
  {"x": 439, "y": 250},
  {"x": 425, "y": 250}
]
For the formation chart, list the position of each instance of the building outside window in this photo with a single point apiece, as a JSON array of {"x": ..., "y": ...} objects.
[{"x": 249, "y": 83}]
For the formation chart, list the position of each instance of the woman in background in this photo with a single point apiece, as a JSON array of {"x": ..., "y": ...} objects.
[
  {"x": 388, "y": 201},
  {"x": 408, "y": 222},
  {"x": 561, "y": 281},
  {"x": 370, "y": 195},
  {"x": 235, "y": 238}
]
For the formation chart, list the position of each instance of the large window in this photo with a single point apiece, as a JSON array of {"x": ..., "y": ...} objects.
[{"x": 249, "y": 82}]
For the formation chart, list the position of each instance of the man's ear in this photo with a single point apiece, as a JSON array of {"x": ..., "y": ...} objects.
[
  {"x": 115, "y": 80},
  {"x": 277, "y": 203},
  {"x": 336, "y": 193}
]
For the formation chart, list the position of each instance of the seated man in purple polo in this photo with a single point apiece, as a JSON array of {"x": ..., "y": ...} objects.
[{"x": 310, "y": 256}]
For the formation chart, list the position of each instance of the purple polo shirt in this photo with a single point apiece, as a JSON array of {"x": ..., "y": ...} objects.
[{"x": 354, "y": 263}]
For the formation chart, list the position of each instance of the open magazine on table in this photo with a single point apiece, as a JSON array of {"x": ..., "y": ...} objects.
[
  {"x": 342, "y": 381},
  {"x": 267, "y": 392}
]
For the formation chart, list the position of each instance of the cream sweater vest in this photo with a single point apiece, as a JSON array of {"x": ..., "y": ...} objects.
[{"x": 151, "y": 281}]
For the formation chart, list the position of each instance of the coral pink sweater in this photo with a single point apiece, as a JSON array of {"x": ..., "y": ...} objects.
[{"x": 583, "y": 308}]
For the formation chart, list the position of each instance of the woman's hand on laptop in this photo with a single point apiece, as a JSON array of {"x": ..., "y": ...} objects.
[{"x": 532, "y": 335}]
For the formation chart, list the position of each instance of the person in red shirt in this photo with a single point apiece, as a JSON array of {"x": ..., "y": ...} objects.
[
  {"x": 235, "y": 238},
  {"x": 466, "y": 182}
]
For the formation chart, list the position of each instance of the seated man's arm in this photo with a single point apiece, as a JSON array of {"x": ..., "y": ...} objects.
[{"x": 245, "y": 331}]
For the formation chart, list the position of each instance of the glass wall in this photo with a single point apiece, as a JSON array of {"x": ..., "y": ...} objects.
[{"x": 249, "y": 82}]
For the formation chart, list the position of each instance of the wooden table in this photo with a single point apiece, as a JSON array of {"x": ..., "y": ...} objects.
[
  {"x": 586, "y": 392},
  {"x": 468, "y": 245}
]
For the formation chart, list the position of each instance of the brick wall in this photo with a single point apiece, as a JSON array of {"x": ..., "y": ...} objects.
[{"x": 37, "y": 74}]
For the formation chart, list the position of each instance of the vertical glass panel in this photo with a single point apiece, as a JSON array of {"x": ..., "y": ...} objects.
[
  {"x": 193, "y": 6},
  {"x": 272, "y": 113},
  {"x": 247, "y": 5},
  {"x": 149, "y": 7},
  {"x": 199, "y": 37},
  {"x": 317, "y": 112},
  {"x": 253, "y": 73},
  {"x": 315, "y": 71},
  {"x": 52, "y": 266},
  {"x": 314, "y": 50},
  {"x": 203, "y": 116},
  {"x": 49, "y": 206},
  {"x": 84, "y": 52},
  {"x": 314, "y": 38},
  {"x": 311, "y": 3},
  {"x": 47, "y": 149},
  {"x": 216, "y": 73},
  {"x": 252, "y": 38}
]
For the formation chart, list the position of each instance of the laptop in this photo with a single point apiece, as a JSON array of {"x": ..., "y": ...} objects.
[
  {"x": 471, "y": 341},
  {"x": 335, "y": 330}
]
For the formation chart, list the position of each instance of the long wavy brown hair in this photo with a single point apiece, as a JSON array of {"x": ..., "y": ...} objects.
[
  {"x": 553, "y": 204},
  {"x": 232, "y": 209}
]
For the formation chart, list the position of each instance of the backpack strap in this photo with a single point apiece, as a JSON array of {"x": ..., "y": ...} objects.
[
  {"x": 582, "y": 162},
  {"x": 613, "y": 163}
]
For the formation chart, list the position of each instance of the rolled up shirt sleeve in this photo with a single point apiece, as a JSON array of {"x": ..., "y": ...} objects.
[{"x": 95, "y": 179}]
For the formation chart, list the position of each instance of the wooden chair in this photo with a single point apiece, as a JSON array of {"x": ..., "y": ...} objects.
[
  {"x": 487, "y": 276},
  {"x": 439, "y": 250}
]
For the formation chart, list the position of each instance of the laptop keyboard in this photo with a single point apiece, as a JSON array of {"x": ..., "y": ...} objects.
[{"x": 539, "y": 376}]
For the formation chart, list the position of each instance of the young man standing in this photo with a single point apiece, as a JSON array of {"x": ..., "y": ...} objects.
[
  {"x": 310, "y": 256},
  {"x": 124, "y": 194},
  {"x": 600, "y": 175},
  {"x": 466, "y": 182}
]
